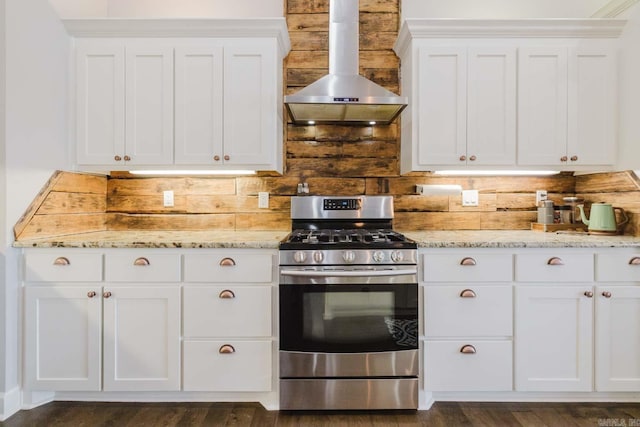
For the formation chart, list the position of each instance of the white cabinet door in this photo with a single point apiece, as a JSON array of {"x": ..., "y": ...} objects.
[
  {"x": 617, "y": 338},
  {"x": 100, "y": 92},
  {"x": 149, "y": 105},
  {"x": 542, "y": 106},
  {"x": 466, "y": 106},
  {"x": 553, "y": 338},
  {"x": 199, "y": 105},
  {"x": 63, "y": 327},
  {"x": 441, "y": 106},
  {"x": 566, "y": 106},
  {"x": 250, "y": 122},
  {"x": 491, "y": 106},
  {"x": 124, "y": 109},
  {"x": 141, "y": 338},
  {"x": 592, "y": 107}
]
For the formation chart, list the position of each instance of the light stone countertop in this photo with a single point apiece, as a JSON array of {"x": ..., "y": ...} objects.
[
  {"x": 517, "y": 239},
  {"x": 160, "y": 239},
  {"x": 270, "y": 239}
]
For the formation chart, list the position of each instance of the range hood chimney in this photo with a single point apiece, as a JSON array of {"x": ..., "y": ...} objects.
[{"x": 343, "y": 96}]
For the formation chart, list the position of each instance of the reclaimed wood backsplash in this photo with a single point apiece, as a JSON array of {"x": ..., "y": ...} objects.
[
  {"x": 332, "y": 159},
  {"x": 68, "y": 203},
  {"x": 621, "y": 189}
]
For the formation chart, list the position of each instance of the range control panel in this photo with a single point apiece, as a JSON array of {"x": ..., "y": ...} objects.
[{"x": 341, "y": 204}]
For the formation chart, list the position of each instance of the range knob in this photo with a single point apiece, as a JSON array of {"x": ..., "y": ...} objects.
[
  {"x": 378, "y": 256},
  {"x": 397, "y": 256},
  {"x": 348, "y": 256},
  {"x": 300, "y": 257},
  {"x": 318, "y": 256}
]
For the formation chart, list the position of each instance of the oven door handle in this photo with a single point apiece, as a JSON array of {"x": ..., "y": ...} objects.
[{"x": 349, "y": 273}]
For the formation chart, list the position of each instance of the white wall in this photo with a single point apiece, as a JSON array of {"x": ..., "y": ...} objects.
[
  {"x": 499, "y": 9},
  {"x": 629, "y": 95},
  {"x": 3, "y": 196},
  {"x": 80, "y": 8},
  {"x": 35, "y": 140},
  {"x": 169, "y": 8}
]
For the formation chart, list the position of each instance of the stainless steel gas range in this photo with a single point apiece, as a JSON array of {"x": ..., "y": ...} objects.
[{"x": 348, "y": 307}]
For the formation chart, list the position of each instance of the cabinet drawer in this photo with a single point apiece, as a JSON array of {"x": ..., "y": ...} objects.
[
  {"x": 447, "y": 368},
  {"x": 467, "y": 267},
  {"x": 618, "y": 267},
  {"x": 227, "y": 365},
  {"x": 228, "y": 266},
  {"x": 63, "y": 267},
  {"x": 455, "y": 311},
  {"x": 231, "y": 311},
  {"x": 554, "y": 267},
  {"x": 142, "y": 267}
]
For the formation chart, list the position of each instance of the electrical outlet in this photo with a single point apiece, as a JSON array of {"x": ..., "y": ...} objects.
[
  {"x": 263, "y": 200},
  {"x": 469, "y": 197},
  {"x": 540, "y": 196},
  {"x": 167, "y": 198}
]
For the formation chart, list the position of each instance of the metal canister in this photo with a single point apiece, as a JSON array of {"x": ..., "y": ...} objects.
[{"x": 546, "y": 212}]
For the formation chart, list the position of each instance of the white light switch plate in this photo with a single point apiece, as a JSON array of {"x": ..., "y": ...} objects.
[
  {"x": 167, "y": 198},
  {"x": 469, "y": 197},
  {"x": 540, "y": 195},
  {"x": 263, "y": 200}
]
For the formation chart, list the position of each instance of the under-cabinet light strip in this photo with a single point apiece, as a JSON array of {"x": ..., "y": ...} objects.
[
  {"x": 495, "y": 172},
  {"x": 193, "y": 172}
]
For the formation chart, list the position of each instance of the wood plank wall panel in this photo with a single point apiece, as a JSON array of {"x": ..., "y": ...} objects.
[
  {"x": 621, "y": 189},
  {"x": 68, "y": 203}
]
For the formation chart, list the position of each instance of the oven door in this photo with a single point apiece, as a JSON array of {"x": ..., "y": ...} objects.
[{"x": 354, "y": 309}]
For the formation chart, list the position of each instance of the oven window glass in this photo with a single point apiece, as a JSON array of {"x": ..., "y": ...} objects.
[{"x": 349, "y": 318}]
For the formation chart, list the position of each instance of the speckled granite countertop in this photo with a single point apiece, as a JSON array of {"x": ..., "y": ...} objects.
[
  {"x": 160, "y": 239},
  {"x": 517, "y": 239},
  {"x": 270, "y": 239}
]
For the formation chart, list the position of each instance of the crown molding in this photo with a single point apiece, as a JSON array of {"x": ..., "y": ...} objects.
[
  {"x": 183, "y": 27},
  {"x": 507, "y": 28},
  {"x": 614, "y": 8}
]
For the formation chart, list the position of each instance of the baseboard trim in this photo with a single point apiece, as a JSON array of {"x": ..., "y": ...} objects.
[
  {"x": 10, "y": 403},
  {"x": 515, "y": 396}
]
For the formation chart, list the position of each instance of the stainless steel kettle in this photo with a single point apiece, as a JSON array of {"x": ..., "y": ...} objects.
[{"x": 603, "y": 218}]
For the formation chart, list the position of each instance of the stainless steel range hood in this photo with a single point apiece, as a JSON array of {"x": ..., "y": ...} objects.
[{"x": 343, "y": 96}]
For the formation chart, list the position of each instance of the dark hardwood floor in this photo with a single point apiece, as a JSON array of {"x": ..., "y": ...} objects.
[{"x": 448, "y": 414}]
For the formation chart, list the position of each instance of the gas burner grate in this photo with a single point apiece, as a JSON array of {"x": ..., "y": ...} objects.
[{"x": 344, "y": 236}]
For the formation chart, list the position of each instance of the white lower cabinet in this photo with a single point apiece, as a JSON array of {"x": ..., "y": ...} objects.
[
  {"x": 227, "y": 344},
  {"x": 76, "y": 335},
  {"x": 579, "y": 335},
  {"x": 227, "y": 323},
  {"x": 229, "y": 365},
  {"x": 617, "y": 332},
  {"x": 467, "y": 321},
  {"x": 63, "y": 337},
  {"x": 141, "y": 338},
  {"x": 147, "y": 320},
  {"x": 553, "y": 338},
  {"x": 469, "y": 365}
]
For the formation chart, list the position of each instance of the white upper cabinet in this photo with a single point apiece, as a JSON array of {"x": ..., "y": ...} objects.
[
  {"x": 464, "y": 107},
  {"x": 173, "y": 94},
  {"x": 99, "y": 104},
  {"x": 567, "y": 106},
  {"x": 503, "y": 94},
  {"x": 124, "y": 104},
  {"x": 542, "y": 109},
  {"x": 491, "y": 102},
  {"x": 148, "y": 105},
  {"x": 252, "y": 105},
  {"x": 199, "y": 104}
]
